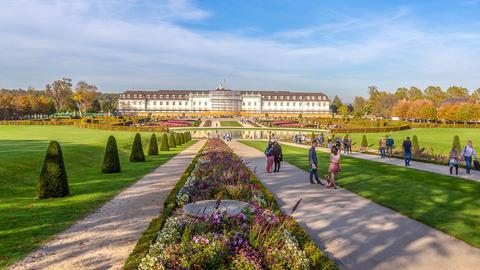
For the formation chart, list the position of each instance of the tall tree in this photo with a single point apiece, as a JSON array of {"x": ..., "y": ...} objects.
[
  {"x": 457, "y": 92},
  {"x": 84, "y": 95},
  {"x": 358, "y": 106},
  {"x": 61, "y": 93},
  {"x": 401, "y": 93},
  {"x": 385, "y": 104},
  {"x": 414, "y": 93},
  {"x": 336, "y": 104},
  {"x": 435, "y": 94},
  {"x": 476, "y": 96}
]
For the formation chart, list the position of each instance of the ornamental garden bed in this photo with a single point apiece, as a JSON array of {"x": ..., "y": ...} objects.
[{"x": 259, "y": 237}]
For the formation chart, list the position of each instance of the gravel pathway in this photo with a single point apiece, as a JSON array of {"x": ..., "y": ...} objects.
[
  {"x": 357, "y": 232},
  {"x": 105, "y": 238}
]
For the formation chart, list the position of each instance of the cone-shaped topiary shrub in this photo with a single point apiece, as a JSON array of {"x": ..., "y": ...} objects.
[
  {"x": 177, "y": 139},
  {"x": 415, "y": 145},
  {"x": 111, "y": 161},
  {"x": 164, "y": 143},
  {"x": 186, "y": 136},
  {"x": 153, "y": 146},
  {"x": 182, "y": 139},
  {"x": 364, "y": 141},
  {"x": 171, "y": 141},
  {"x": 137, "y": 154},
  {"x": 189, "y": 136},
  {"x": 53, "y": 178},
  {"x": 456, "y": 143}
]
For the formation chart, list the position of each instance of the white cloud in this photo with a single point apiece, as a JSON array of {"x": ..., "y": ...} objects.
[{"x": 104, "y": 42}]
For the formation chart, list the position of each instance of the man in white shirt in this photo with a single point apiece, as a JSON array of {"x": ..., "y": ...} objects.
[{"x": 467, "y": 153}]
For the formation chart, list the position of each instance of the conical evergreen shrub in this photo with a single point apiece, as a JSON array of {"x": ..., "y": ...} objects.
[
  {"x": 111, "y": 161},
  {"x": 171, "y": 141},
  {"x": 137, "y": 154},
  {"x": 415, "y": 145},
  {"x": 364, "y": 141},
  {"x": 189, "y": 136},
  {"x": 456, "y": 143},
  {"x": 182, "y": 139},
  {"x": 164, "y": 143},
  {"x": 153, "y": 146},
  {"x": 186, "y": 136},
  {"x": 53, "y": 178},
  {"x": 177, "y": 139}
]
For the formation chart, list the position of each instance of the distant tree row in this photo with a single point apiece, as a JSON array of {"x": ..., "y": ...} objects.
[
  {"x": 59, "y": 96},
  {"x": 455, "y": 104}
]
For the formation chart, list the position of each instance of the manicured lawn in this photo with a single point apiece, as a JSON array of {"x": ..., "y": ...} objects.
[
  {"x": 230, "y": 124},
  {"x": 446, "y": 203},
  {"x": 438, "y": 139},
  {"x": 26, "y": 221}
]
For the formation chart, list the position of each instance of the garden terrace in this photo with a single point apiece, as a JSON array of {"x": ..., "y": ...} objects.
[{"x": 258, "y": 238}]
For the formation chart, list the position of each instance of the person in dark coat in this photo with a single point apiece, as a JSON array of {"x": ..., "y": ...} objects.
[
  {"x": 277, "y": 156},
  {"x": 313, "y": 163}
]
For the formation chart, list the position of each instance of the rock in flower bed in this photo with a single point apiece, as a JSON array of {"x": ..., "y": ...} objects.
[{"x": 261, "y": 237}]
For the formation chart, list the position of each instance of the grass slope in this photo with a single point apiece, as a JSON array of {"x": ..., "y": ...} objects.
[
  {"x": 446, "y": 203},
  {"x": 230, "y": 124},
  {"x": 438, "y": 139},
  {"x": 25, "y": 221}
]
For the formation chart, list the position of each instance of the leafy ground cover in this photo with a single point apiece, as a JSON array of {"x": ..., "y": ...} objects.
[
  {"x": 258, "y": 238},
  {"x": 25, "y": 220},
  {"x": 446, "y": 203},
  {"x": 230, "y": 124}
]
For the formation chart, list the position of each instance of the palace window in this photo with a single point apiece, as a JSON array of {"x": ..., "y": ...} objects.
[
  {"x": 154, "y": 103},
  {"x": 243, "y": 103},
  {"x": 166, "y": 103},
  {"x": 161, "y": 103},
  {"x": 268, "y": 103},
  {"x": 249, "y": 103},
  {"x": 255, "y": 104},
  {"x": 275, "y": 104},
  {"x": 281, "y": 104},
  {"x": 288, "y": 104}
]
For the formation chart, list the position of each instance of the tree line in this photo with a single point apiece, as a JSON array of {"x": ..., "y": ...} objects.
[
  {"x": 57, "y": 97},
  {"x": 456, "y": 104}
]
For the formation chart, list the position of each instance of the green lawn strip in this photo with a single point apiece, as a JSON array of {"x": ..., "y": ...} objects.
[
  {"x": 149, "y": 235},
  {"x": 26, "y": 221},
  {"x": 230, "y": 124},
  {"x": 443, "y": 202}
]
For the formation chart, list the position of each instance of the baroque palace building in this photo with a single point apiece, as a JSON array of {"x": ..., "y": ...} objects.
[{"x": 223, "y": 100}]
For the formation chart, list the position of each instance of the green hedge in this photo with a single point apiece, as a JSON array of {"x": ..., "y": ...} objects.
[{"x": 149, "y": 235}]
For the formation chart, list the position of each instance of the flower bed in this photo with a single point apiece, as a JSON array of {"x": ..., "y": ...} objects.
[
  {"x": 258, "y": 238},
  {"x": 175, "y": 123}
]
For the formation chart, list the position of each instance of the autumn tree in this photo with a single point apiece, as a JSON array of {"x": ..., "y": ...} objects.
[
  {"x": 476, "y": 96},
  {"x": 457, "y": 92},
  {"x": 358, "y": 106},
  {"x": 414, "y": 93},
  {"x": 400, "y": 109},
  {"x": 435, "y": 94},
  {"x": 84, "y": 96},
  {"x": 61, "y": 93},
  {"x": 336, "y": 104},
  {"x": 384, "y": 104},
  {"x": 401, "y": 93}
]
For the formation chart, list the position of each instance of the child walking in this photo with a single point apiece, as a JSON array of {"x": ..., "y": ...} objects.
[{"x": 453, "y": 160}]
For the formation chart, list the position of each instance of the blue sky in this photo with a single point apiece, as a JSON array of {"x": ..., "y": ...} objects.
[{"x": 336, "y": 47}]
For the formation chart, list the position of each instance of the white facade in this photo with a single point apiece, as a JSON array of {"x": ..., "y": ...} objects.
[{"x": 223, "y": 100}]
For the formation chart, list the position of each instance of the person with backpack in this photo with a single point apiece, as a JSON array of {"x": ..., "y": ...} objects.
[
  {"x": 407, "y": 151},
  {"x": 390, "y": 146},
  {"x": 277, "y": 156},
  {"x": 313, "y": 163},
  {"x": 269, "y": 154},
  {"x": 468, "y": 154}
]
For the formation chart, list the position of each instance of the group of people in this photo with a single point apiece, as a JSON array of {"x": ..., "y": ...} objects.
[
  {"x": 333, "y": 167},
  {"x": 274, "y": 155},
  {"x": 468, "y": 154},
  {"x": 227, "y": 136},
  {"x": 386, "y": 145}
]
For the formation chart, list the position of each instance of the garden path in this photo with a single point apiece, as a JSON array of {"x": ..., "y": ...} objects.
[
  {"x": 105, "y": 238},
  {"x": 423, "y": 166},
  {"x": 357, "y": 232}
]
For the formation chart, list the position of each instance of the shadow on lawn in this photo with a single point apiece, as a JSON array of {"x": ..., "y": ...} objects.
[{"x": 26, "y": 221}]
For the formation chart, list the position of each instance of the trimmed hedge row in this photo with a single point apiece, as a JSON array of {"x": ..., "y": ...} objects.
[
  {"x": 149, "y": 235},
  {"x": 369, "y": 130}
]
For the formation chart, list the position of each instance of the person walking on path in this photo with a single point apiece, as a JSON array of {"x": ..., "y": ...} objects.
[
  {"x": 383, "y": 147},
  {"x": 277, "y": 156},
  {"x": 313, "y": 163},
  {"x": 390, "y": 146},
  {"x": 407, "y": 151},
  {"x": 345, "y": 145},
  {"x": 334, "y": 167},
  {"x": 453, "y": 158},
  {"x": 468, "y": 154},
  {"x": 269, "y": 154},
  {"x": 350, "y": 144}
]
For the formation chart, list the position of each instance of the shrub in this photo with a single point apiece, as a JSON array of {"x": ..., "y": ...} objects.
[
  {"x": 164, "y": 143},
  {"x": 177, "y": 139},
  {"x": 137, "y": 154},
  {"x": 364, "y": 141},
  {"x": 171, "y": 141},
  {"x": 153, "y": 146},
  {"x": 185, "y": 137},
  {"x": 456, "y": 143},
  {"x": 53, "y": 178},
  {"x": 415, "y": 145},
  {"x": 111, "y": 161},
  {"x": 181, "y": 137}
]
